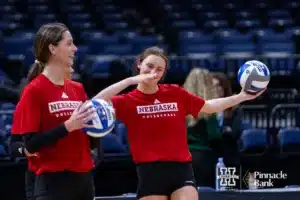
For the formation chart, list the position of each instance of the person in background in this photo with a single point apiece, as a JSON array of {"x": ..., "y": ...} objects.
[
  {"x": 230, "y": 123},
  {"x": 202, "y": 130}
]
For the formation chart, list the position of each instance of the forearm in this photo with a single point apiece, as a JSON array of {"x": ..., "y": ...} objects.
[
  {"x": 216, "y": 105},
  {"x": 113, "y": 90},
  {"x": 35, "y": 141}
]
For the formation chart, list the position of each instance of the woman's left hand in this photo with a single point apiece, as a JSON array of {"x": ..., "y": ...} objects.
[{"x": 247, "y": 96}]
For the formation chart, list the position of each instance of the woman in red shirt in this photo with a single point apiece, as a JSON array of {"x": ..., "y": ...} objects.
[
  {"x": 51, "y": 120},
  {"x": 155, "y": 117},
  {"x": 17, "y": 143}
]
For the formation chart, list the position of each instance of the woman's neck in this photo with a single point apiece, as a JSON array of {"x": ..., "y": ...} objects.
[
  {"x": 147, "y": 89},
  {"x": 55, "y": 74}
]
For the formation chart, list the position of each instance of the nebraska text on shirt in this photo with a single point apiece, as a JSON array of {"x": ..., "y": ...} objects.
[
  {"x": 58, "y": 106},
  {"x": 157, "y": 108}
]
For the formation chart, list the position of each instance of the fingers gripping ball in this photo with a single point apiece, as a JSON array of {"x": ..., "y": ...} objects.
[
  {"x": 254, "y": 76},
  {"x": 104, "y": 121}
]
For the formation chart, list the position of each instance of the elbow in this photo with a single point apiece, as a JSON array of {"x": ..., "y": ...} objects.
[
  {"x": 30, "y": 148},
  {"x": 16, "y": 149},
  {"x": 29, "y": 144}
]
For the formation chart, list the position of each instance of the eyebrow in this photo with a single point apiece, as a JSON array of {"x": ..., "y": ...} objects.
[{"x": 158, "y": 66}]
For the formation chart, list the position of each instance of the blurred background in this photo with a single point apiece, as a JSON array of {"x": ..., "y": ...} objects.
[{"x": 215, "y": 35}]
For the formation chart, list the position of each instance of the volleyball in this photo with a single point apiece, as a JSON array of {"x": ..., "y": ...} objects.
[
  {"x": 104, "y": 121},
  {"x": 253, "y": 76}
]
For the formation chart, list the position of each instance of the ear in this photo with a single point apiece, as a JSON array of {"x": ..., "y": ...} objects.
[{"x": 52, "y": 49}]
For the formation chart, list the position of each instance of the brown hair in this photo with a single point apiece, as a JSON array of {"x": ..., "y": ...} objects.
[
  {"x": 147, "y": 52},
  {"x": 226, "y": 85},
  {"x": 51, "y": 33}
]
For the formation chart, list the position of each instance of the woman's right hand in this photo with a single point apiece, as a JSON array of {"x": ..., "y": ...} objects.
[
  {"x": 142, "y": 78},
  {"x": 80, "y": 116}
]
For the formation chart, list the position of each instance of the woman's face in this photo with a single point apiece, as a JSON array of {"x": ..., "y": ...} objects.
[
  {"x": 153, "y": 64},
  {"x": 65, "y": 50},
  {"x": 218, "y": 87}
]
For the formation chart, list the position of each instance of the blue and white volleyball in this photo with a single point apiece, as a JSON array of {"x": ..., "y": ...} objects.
[
  {"x": 254, "y": 76},
  {"x": 104, "y": 121}
]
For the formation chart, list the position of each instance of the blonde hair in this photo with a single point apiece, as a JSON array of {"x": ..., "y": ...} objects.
[{"x": 199, "y": 82}]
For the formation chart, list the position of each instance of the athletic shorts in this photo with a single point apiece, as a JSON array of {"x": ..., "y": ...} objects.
[
  {"x": 64, "y": 185},
  {"x": 163, "y": 178}
]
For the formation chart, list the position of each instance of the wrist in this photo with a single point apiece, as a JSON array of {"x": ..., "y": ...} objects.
[
  {"x": 68, "y": 126},
  {"x": 240, "y": 97}
]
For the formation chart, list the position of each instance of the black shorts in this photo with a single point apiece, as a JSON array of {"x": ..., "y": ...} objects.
[
  {"x": 29, "y": 184},
  {"x": 163, "y": 178},
  {"x": 64, "y": 185}
]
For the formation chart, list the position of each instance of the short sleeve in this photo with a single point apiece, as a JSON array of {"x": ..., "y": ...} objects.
[
  {"x": 192, "y": 103},
  {"x": 120, "y": 104},
  {"x": 27, "y": 118}
]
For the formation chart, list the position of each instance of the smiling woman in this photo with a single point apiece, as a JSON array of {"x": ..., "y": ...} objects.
[
  {"x": 154, "y": 115},
  {"x": 58, "y": 151}
]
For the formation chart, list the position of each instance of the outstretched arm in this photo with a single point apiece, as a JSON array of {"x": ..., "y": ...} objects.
[{"x": 216, "y": 105}]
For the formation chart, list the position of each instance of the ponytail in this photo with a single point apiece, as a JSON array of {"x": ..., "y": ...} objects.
[{"x": 36, "y": 69}]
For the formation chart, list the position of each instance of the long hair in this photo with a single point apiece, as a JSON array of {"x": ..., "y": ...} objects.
[
  {"x": 199, "y": 82},
  {"x": 51, "y": 33}
]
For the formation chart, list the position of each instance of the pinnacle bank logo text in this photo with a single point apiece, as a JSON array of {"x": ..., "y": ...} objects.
[
  {"x": 262, "y": 175},
  {"x": 157, "y": 108},
  {"x": 262, "y": 180}
]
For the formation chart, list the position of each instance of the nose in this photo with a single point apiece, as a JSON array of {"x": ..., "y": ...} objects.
[
  {"x": 153, "y": 71},
  {"x": 75, "y": 48}
]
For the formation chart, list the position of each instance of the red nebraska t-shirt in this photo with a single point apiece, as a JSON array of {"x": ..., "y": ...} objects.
[
  {"x": 156, "y": 123},
  {"x": 44, "y": 106}
]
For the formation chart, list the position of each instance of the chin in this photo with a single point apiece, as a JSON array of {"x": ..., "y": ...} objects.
[
  {"x": 152, "y": 83},
  {"x": 71, "y": 61},
  {"x": 70, "y": 64}
]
